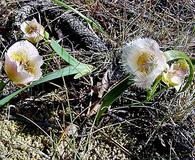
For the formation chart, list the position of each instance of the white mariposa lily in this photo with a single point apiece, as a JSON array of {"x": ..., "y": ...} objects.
[
  {"x": 23, "y": 62},
  {"x": 175, "y": 75},
  {"x": 144, "y": 59},
  {"x": 33, "y": 31}
]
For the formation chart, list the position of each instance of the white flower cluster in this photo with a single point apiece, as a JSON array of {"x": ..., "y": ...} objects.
[
  {"x": 144, "y": 59},
  {"x": 22, "y": 60}
]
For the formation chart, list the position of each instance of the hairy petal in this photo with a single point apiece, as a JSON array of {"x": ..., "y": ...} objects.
[{"x": 143, "y": 58}]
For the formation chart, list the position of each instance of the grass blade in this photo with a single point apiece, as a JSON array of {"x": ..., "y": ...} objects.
[
  {"x": 150, "y": 92},
  {"x": 82, "y": 68},
  {"x": 69, "y": 70},
  {"x": 63, "y": 54},
  {"x": 2, "y": 85},
  {"x": 112, "y": 95}
]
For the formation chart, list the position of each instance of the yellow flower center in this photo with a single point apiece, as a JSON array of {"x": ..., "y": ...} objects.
[
  {"x": 181, "y": 67},
  {"x": 30, "y": 28},
  {"x": 23, "y": 61},
  {"x": 19, "y": 57},
  {"x": 146, "y": 63}
]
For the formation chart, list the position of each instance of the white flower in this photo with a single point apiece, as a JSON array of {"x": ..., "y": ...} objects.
[
  {"x": 23, "y": 62},
  {"x": 145, "y": 60},
  {"x": 176, "y": 74},
  {"x": 33, "y": 31}
]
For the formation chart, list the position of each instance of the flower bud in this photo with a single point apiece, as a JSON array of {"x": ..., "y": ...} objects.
[{"x": 33, "y": 31}]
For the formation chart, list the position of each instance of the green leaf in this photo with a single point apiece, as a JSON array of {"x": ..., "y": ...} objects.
[
  {"x": 175, "y": 55},
  {"x": 2, "y": 85},
  {"x": 92, "y": 23},
  {"x": 63, "y": 54},
  {"x": 193, "y": 60},
  {"x": 82, "y": 68},
  {"x": 152, "y": 90},
  {"x": 69, "y": 70},
  {"x": 9, "y": 97},
  {"x": 46, "y": 35},
  {"x": 112, "y": 95}
]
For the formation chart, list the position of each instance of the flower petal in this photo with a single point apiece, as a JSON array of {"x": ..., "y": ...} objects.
[
  {"x": 175, "y": 75},
  {"x": 143, "y": 58},
  {"x": 23, "y": 62}
]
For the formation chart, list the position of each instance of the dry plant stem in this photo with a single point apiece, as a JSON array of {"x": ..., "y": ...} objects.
[
  {"x": 36, "y": 126},
  {"x": 112, "y": 141},
  {"x": 63, "y": 136},
  {"x": 88, "y": 141},
  {"x": 117, "y": 144},
  {"x": 39, "y": 152},
  {"x": 120, "y": 119},
  {"x": 157, "y": 127}
]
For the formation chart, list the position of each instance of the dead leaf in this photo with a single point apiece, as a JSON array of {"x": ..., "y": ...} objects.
[
  {"x": 104, "y": 84},
  {"x": 71, "y": 130},
  {"x": 94, "y": 110},
  {"x": 102, "y": 88}
]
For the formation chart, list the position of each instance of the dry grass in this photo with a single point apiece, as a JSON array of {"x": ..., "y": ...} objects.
[{"x": 161, "y": 129}]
